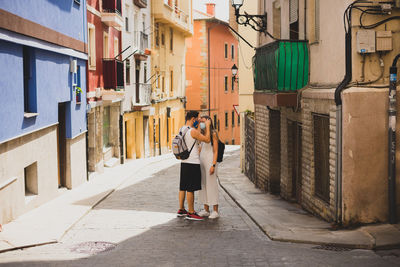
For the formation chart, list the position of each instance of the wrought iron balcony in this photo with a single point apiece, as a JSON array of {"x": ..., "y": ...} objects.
[
  {"x": 113, "y": 74},
  {"x": 141, "y": 3},
  {"x": 142, "y": 94},
  {"x": 112, "y": 6},
  {"x": 112, "y": 13},
  {"x": 281, "y": 66}
]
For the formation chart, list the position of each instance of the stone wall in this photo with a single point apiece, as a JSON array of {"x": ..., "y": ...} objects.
[
  {"x": 321, "y": 102},
  {"x": 38, "y": 149}
]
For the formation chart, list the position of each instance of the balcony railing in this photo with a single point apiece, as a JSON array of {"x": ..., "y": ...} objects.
[
  {"x": 281, "y": 66},
  {"x": 141, "y": 3},
  {"x": 113, "y": 73},
  {"x": 143, "y": 94},
  {"x": 112, "y": 6}
]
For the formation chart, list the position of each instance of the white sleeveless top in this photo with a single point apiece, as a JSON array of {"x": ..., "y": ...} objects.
[{"x": 194, "y": 157}]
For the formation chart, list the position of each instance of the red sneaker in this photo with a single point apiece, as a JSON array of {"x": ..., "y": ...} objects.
[
  {"x": 181, "y": 213},
  {"x": 194, "y": 217}
]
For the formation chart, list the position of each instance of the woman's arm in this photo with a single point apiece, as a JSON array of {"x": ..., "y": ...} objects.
[{"x": 215, "y": 152}]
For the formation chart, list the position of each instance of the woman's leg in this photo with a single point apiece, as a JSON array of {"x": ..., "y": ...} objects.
[
  {"x": 216, "y": 208},
  {"x": 206, "y": 208}
]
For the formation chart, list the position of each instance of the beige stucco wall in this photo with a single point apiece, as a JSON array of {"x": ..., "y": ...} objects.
[
  {"x": 17, "y": 154},
  {"x": 76, "y": 172},
  {"x": 365, "y": 153}
]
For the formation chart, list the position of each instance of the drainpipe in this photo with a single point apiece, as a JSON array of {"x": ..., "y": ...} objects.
[
  {"x": 338, "y": 101},
  {"x": 392, "y": 142}
]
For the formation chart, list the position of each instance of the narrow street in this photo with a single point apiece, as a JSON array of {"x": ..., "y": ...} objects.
[{"x": 139, "y": 224}]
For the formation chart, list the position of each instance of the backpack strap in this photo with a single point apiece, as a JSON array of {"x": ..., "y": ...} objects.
[{"x": 188, "y": 128}]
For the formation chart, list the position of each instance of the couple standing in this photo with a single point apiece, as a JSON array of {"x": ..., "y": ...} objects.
[{"x": 198, "y": 172}]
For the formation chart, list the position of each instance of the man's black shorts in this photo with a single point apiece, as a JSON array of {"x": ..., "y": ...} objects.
[{"x": 190, "y": 177}]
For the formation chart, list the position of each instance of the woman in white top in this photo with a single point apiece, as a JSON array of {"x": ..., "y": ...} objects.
[{"x": 208, "y": 195}]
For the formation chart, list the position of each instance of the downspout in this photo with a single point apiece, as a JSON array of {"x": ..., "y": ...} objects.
[
  {"x": 392, "y": 142},
  {"x": 338, "y": 101}
]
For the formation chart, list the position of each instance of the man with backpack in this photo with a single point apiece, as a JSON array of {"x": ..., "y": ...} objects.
[{"x": 190, "y": 175}]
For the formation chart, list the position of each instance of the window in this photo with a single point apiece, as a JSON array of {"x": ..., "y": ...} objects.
[
  {"x": 171, "y": 39},
  {"x": 226, "y": 84},
  {"x": 238, "y": 119},
  {"x": 233, "y": 84},
  {"x": 158, "y": 79},
  {"x": 226, "y": 51},
  {"x": 171, "y": 81},
  {"x": 106, "y": 127},
  {"x": 92, "y": 46},
  {"x": 233, "y": 52},
  {"x": 78, "y": 2},
  {"x": 215, "y": 121},
  {"x": 233, "y": 119},
  {"x": 321, "y": 155},
  {"x": 162, "y": 38},
  {"x": 163, "y": 83},
  {"x": 29, "y": 73},
  {"x": 126, "y": 24},
  {"x": 144, "y": 72},
  {"x": 157, "y": 34},
  {"x": 294, "y": 19},
  {"x": 128, "y": 71},
  {"x": 31, "y": 180},
  {"x": 105, "y": 45},
  {"x": 226, "y": 119},
  {"x": 233, "y": 141},
  {"x": 116, "y": 46}
]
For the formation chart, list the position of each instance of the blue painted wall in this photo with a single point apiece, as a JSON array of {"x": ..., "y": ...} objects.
[
  {"x": 64, "y": 16},
  {"x": 53, "y": 85}
]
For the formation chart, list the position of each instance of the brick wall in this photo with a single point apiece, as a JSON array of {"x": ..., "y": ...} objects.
[
  {"x": 261, "y": 146},
  {"x": 317, "y": 101}
]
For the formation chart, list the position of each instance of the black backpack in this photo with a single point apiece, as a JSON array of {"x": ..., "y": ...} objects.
[{"x": 221, "y": 149}]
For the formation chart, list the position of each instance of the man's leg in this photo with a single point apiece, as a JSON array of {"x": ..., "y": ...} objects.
[
  {"x": 182, "y": 199},
  {"x": 190, "y": 200}
]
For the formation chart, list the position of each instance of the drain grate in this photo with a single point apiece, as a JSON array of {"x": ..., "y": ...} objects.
[
  {"x": 332, "y": 248},
  {"x": 93, "y": 247}
]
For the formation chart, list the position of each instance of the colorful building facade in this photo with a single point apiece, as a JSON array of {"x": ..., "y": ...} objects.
[
  {"x": 105, "y": 82},
  {"x": 43, "y": 88},
  {"x": 172, "y": 22},
  {"x": 136, "y": 40},
  {"x": 211, "y": 87}
]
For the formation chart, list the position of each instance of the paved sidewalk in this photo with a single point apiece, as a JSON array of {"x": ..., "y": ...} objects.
[
  {"x": 285, "y": 221},
  {"x": 48, "y": 223}
]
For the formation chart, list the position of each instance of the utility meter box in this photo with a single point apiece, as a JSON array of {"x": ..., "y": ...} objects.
[
  {"x": 366, "y": 41},
  {"x": 384, "y": 41}
]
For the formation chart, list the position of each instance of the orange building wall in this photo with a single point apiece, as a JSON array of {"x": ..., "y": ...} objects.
[{"x": 197, "y": 76}]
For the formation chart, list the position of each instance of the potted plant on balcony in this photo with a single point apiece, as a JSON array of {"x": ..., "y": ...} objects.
[{"x": 78, "y": 92}]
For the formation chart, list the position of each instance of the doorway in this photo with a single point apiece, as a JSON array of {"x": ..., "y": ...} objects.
[
  {"x": 146, "y": 136},
  {"x": 62, "y": 145}
]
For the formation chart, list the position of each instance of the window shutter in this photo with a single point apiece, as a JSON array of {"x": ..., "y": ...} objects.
[{"x": 293, "y": 11}]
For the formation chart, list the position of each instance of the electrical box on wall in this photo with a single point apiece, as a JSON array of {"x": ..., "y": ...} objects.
[
  {"x": 366, "y": 41},
  {"x": 384, "y": 41}
]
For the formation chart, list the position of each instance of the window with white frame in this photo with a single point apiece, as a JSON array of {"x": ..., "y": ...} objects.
[{"x": 92, "y": 46}]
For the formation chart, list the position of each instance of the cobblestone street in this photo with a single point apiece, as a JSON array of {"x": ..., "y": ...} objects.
[{"x": 139, "y": 222}]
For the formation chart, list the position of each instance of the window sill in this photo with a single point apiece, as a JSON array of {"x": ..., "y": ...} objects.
[
  {"x": 28, "y": 115},
  {"x": 92, "y": 67}
]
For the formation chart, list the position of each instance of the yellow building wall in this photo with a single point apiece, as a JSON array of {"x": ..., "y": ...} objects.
[
  {"x": 134, "y": 135},
  {"x": 175, "y": 122}
]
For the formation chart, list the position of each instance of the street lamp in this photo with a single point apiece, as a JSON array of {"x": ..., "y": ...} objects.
[
  {"x": 234, "y": 70},
  {"x": 257, "y": 22}
]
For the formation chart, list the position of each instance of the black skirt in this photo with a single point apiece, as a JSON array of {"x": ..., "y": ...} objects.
[{"x": 190, "y": 177}]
